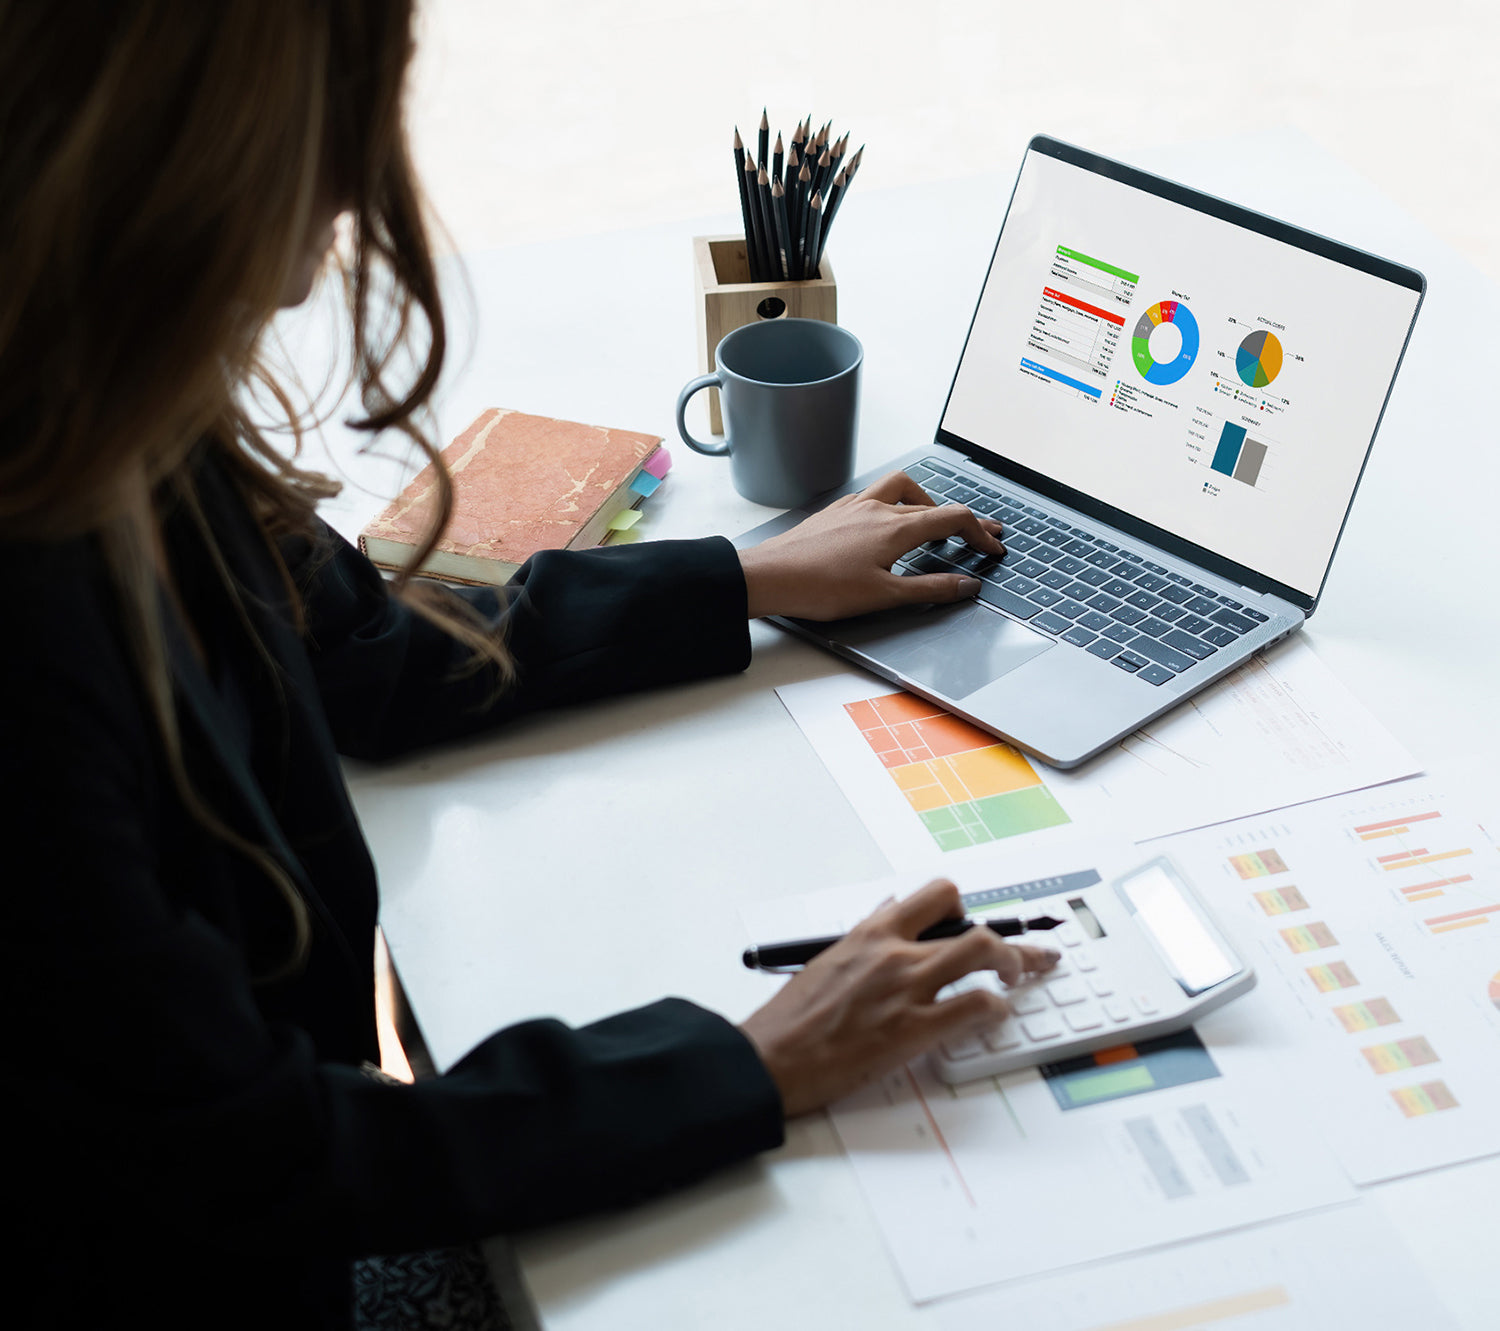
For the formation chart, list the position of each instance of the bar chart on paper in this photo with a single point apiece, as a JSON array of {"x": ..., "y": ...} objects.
[
  {"x": 1426, "y": 863},
  {"x": 965, "y": 786},
  {"x": 1365, "y": 915}
]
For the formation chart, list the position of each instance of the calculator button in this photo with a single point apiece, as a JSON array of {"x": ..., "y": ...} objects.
[
  {"x": 1059, "y": 968},
  {"x": 1083, "y": 1019},
  {"x": 1101, "y": 986},
  {"x": 1068, "y": 935},
  {"x": 1115, "y": 1010},
  {"x": 1002, "y": 1038},
  {"x": 1064, "y": 992},
  {"x": 958, "y": 1050},
  {"x": 1145, "y": 1004},
  {"x": 1026, "y": 1001},
  {"x": 1044, "y": 1027},
  {"x": 1084, "y": 960}
]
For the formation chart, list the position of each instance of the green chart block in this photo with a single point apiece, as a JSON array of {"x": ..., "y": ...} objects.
[
  {"x": 1019, "y": 811},
  {"x": 993, "y": 818}
]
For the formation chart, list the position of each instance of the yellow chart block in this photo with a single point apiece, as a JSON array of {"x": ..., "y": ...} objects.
[{"x": 997, "y": 770}]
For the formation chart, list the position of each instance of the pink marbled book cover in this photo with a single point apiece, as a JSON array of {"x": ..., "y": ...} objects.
[{"x": 521, "y": 484}]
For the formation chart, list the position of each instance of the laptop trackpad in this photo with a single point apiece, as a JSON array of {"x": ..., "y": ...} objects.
[{"x": 952, "y": 650}]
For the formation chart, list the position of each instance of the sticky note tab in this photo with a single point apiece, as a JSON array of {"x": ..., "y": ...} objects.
[
  {"x": 645, "y": 484},
  {"x": 659, "y": 463},
  {"x": 625, "y": 520},
  {"x": 622, "y": 538}
]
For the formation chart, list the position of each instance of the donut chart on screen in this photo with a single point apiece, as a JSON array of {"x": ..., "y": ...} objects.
[
  {"x": 1495, "y": 991},
  {"x": 1165, "y": 372},
  {"x": 1258, "y": 360}
]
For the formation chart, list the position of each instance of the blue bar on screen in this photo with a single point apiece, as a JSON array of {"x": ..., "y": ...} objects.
[
  {"x": 1228, "y": 452},
  {"x": 1061, "y": 378}
]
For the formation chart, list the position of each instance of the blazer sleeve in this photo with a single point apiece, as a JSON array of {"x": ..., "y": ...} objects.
[
  {"x": 149, "y": 1091},
  {"x": 578, "y": 624}
]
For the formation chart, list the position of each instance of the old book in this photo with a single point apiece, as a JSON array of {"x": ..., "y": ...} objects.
[{"x": 520, "y": 484}]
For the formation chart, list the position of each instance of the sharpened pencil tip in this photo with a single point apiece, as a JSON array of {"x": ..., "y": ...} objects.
[
  {"x": 763, "y": 179},
  {"x": 779, "y": 148},
  {"x": 765, "y": 121},
  {"x": 738, "y": 142}
]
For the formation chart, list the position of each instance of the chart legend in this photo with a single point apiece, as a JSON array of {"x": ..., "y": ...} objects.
[{"x": 965, "y": 786}]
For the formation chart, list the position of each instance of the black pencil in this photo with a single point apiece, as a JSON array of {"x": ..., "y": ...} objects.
[
  {"x": 768, "y": 223},
  {"x": 840, "y": 184},
  {"x": 814, "y": 235},
  {"x": 823, "y": 176},
  {"x": 764, "y": 139},
  {"x": 777, "y": 157},
  {"x": 799, "y": 226},
  {"x": 789, "y": 184},
  {"x": 756, "y": 247},
  {"x": 778, "y": 208},
  {"x": 739, "y": 171}
]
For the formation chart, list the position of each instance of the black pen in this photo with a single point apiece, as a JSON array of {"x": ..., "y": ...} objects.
[{"x": 774, "y": 956}]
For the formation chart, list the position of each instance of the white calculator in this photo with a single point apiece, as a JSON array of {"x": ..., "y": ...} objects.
[{"x": 1141, "y": 957}]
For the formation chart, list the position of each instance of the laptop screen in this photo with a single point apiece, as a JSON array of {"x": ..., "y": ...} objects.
[{"x": 1204, "y": 370}]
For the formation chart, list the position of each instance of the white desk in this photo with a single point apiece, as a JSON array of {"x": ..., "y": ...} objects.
[{"x": 517, "y": 871}]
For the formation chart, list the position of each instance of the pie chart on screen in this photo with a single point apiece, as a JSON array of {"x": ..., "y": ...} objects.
[
  {"x": 1258, "y": 360},
  {"x": 1495, "y": 991}
]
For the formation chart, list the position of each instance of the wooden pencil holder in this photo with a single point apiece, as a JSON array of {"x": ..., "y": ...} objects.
[{"x": 727, "y": 299}]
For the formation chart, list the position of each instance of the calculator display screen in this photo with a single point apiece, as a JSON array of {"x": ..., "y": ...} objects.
[{"x": 1178, "y": 930}]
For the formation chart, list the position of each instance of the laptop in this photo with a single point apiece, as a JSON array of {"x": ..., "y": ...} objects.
[{"x": 1167, "y": 401}]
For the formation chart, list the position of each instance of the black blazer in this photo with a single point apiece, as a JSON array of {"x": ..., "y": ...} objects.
[{"x": 201, "y": 1147}]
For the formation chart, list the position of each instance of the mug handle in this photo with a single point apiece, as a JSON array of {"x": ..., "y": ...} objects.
[{"x": 708, "y": 450}]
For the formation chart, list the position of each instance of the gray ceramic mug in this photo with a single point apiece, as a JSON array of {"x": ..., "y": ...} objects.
[{"x": 789, "y": 389}]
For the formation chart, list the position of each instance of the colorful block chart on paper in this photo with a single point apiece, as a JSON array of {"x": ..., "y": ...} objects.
[
  {"x": 1428, "y": 1098},
  {"x": 1281, "y": 900},
  {"x": 1132, "y": 1069},
  {"x": 1258, "y": 864},
  {"x": 966, "y": 787}
]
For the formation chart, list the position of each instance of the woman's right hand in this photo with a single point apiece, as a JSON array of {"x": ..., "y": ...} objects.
[{"x": 869, "y": 1002}]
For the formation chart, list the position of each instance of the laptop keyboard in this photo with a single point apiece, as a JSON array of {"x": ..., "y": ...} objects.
[{"x": 1079, "y": 588}]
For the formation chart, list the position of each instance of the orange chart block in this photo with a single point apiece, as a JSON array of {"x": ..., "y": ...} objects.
[{"x": 996, "y": 770}]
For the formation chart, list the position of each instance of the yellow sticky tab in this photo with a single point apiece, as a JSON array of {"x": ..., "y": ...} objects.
[{"x": 625, "y": 520}]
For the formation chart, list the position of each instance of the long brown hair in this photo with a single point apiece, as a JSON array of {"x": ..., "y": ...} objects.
[{"x": 161, "y": 162}]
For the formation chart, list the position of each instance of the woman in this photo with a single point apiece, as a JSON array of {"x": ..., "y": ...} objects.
[{"x": 188, "y": 951}]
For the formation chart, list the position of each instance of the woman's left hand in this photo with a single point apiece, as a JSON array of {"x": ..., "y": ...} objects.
[{"x": 838, "y": 562}]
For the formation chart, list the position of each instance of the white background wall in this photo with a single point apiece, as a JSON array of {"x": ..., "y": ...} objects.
[{"x": 535, "y": 118}]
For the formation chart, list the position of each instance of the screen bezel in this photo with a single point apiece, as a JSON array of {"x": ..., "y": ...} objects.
[
  {"x": 1165, "y": 866},
  {"x": 1408, "y": 278}
]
